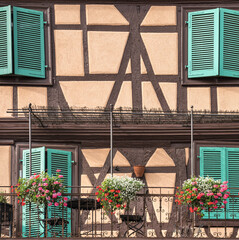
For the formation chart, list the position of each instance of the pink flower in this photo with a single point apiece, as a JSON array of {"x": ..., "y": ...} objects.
[
  {"x": 201, "y": 203},
  {"x": 58, "y": 170},
  {"x": 225, "y": 182},
  {"x": 44, "y": 179},
  {"x": 40, "y": 188},
  {"x": 195, "y": 189},
  {"x": 59, "y": 194},
  {"x": 54, "y": 191},
  {"x": 219, "y": 194},
  {"x": 215, "y": 207},
  {"x": 215, "y": 186},
  {"x": 216, "y": 197},
  {"x": 34, "y": 183},
  {"x": 54, "y": 195},
  {"x": 225, "y": 196},
  {"x": 39, "y": 184},
  {"x": 222, "y": 206},
  {"x": 47, "y": 191},
  {"x": 48, "y": 198},
  {"x": 60, "y": 185},
  {"x": 45, "y": 184},
  {"x": 65, "y": 198},
  {"x": 195, "y": 209},
  {"x": 216, "y": 202},
  {"x": 49, "y": 204},
  {"x": 193, "y": 183},
  {"x": 60, "y": 176},
  {"x": 225, "y": 202},
  {"x": 210, "y": 194},
  {"x": 56, "y": 182},
  {"x": 56, "y": 204},
  {"x": 65, "y": 204}
]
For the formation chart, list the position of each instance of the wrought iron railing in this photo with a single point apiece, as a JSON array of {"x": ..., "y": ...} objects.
[{"x": 153, "y": 214}]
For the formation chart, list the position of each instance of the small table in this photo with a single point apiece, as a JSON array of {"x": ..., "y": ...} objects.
[{"x": 85, "y": 204}]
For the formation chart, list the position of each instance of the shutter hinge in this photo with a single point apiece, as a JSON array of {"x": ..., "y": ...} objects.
[
  {"x": 186, "y": 22},
  {"x": 21, "y": 160},
  {"x": 46, "y": 66},
  {"x": 186, "y": 66},
  {"x": 199, "y": 157},
  {"x": 45, "y": 22},
  {"x": 73, "y": 162}
]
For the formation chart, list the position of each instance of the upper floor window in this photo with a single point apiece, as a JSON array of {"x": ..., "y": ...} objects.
[
  {"x": 213, "y": 43},
  {"x": 22, "y": 50}
]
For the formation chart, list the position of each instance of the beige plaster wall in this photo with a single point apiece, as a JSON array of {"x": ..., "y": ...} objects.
[
  {"x": 125, "y": 96},
  {"x": 106, "y": 51},
  {"x": 199, "y": 98},
  {"x": 69, "y": 53},
  {"x": 149, "y": 97},
  {"x": 160, "y": 159},
  {"x": 35, "y": 95},
  {"x": 160, "y": 16},
  {"x": 170, "y": 93},
  {"x": 89, "y": 94},
  {"x": 67, "y": 14},
  {"x": 128, "y": 69},
  {"x": 5, "y": 168},
  {"x": 96, "y": 157},
  {"x": 104, "y": 15},
  {"x": 120, "y": 160},
  {"x": 228, "y": 98},
  {"x": 163, "y": 52},
  {"x": 142, "y": 66},
  {"x": 6, "y": 100}
]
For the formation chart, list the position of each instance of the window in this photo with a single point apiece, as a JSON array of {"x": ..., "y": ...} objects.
[
  {"x": 222, "y": 163},
  {"x": 24, "y": 46},
  {"x": 50, "y": 159},
  {"x": 213, "y": 43}
]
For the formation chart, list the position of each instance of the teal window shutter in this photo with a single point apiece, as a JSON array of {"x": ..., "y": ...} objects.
[
  {"x": 229, "y": 43},
  {"x": 37, "y": 166},
  {"x": 203, "y": 43},
  {"x": 212, "y": 164},
  {"x": 5, "y": 41},
  {"x": 28, "y": 35},
  {"x": 232, "y": 156},
  {"x": 58, "y": 159}
]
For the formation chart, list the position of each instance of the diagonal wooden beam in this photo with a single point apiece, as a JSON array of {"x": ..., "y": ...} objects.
[{"x": 151, "y": 75}]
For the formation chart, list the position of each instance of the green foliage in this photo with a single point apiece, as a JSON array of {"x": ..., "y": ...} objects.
[
  {"x": 115, "y": 193},
  {"x": 202, "y": 193},
  {"x": 3, "y": 199},
  {"x": 41, "y": 189}
]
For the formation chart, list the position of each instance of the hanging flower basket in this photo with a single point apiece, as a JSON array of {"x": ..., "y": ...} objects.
[
  {"x": 42, "y": 189},
  {"x": 139, "y": 171},
  {"x": 202, "y": 193},
  {"x": 115, "y": 193}
]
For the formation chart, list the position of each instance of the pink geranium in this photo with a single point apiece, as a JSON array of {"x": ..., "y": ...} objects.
[
  {"x": 60, "y": 176},
  {"x": 58, "y": 170},
  {"x": 56, "y": 204}
]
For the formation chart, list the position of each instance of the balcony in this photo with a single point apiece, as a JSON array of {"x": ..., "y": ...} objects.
[{"x": 154, "y": 214}]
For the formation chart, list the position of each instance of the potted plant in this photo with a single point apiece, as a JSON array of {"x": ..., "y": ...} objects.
[
  {"x": 42, "y": 189},
  {"x": 202, "y": 193},
  {"x": 115, "y": 193}
]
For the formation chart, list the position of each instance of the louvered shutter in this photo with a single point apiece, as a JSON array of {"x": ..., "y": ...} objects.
[
  {"x": 203, "y": 43},
  {"x": 212, "y": 164},
  {"x": 58, "y": 159},
  {"x": 232, "y": 155},
  {"x": 37, "y": 166},
  {"x": 29, "y": 50},
  {"x": 5, "y": 41},
  {"x": 229, "y": 43}
]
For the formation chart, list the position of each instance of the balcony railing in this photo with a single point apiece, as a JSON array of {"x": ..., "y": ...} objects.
[{"x": 153, "y": 214}]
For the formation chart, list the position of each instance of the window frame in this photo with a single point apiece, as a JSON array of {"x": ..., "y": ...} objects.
[
  {"x": 32, "y": 81},
  {"x": 207, "y": 81},
  {"x": 220, "y": 144}
]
